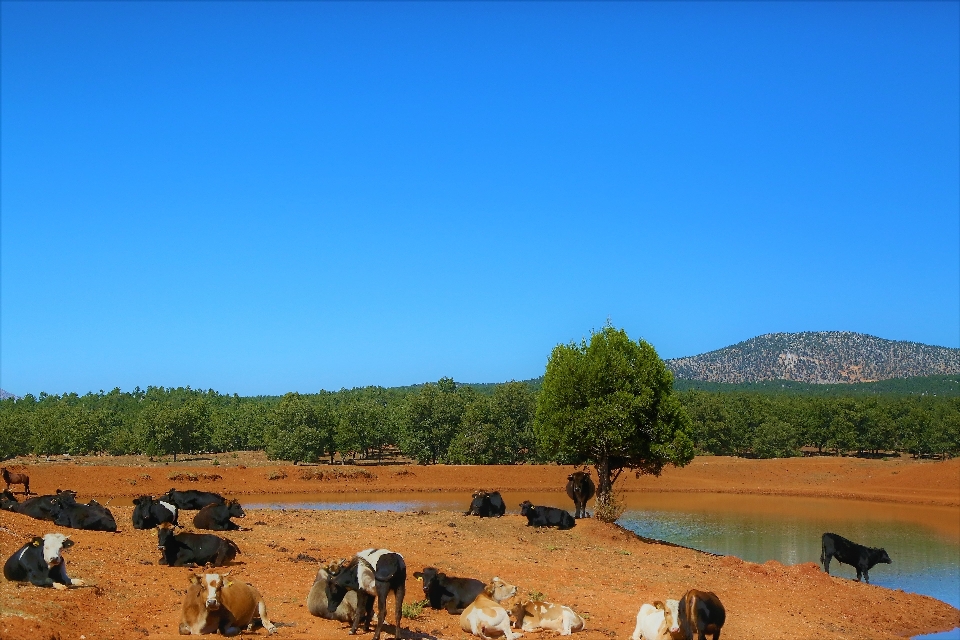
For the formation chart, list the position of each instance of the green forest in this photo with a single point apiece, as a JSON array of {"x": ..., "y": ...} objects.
[{"x": 448, "y": 422}]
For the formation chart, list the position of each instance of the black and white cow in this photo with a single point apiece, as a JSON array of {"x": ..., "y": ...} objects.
[
  {"x": 857, "y": 556},
  {"x": 148, "y": 513},
  {"x": 192, "y": 499},
  {"x": 486, "y": 504},
  {"x": 546, "y": 516},
  {"x": 372, "y": 572},
  {"x": 216, "y": 517},
  {"x": 92, "y": 516},
  {"x": 445, "y": 592},
  {"x": 40, "y": 562},
  {"x": 187, "y": 549},
  {"x": 580, "y": 489}
]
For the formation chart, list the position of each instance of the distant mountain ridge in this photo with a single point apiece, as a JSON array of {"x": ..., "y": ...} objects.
[
  {"x": 6, "y": 394},
  {"x": 817, "y": 357}
]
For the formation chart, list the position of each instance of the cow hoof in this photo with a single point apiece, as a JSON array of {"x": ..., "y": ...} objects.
[
  {"x": 78, "y": 583},
  {"x": 59, "y": 586}
]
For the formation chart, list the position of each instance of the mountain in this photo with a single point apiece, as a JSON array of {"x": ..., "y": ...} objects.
[
  {"x": 817, "y": 357},
  {"x": 6, "y": 394}
]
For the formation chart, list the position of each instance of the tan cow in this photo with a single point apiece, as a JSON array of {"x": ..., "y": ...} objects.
[
  {"x": 656, "y": 621},
  {"x": 534, "y": 615},
  {"x": 213, "y": 602},
  {"x": 485, "y": 614}
]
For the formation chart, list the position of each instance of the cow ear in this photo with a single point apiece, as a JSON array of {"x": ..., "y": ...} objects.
[
  {"x": 67, "y": 543},
  {"x": 37, "y": 542},
  {"x": 224, "y": 575},
  {"x": 659, "y": 605},
  {"x": 194, "y": 578}
]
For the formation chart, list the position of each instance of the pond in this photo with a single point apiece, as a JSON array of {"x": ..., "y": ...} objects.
[{"x": 922, "y": 541}]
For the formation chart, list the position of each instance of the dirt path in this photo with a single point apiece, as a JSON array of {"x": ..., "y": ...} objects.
[{"x": 600, "y": 570}]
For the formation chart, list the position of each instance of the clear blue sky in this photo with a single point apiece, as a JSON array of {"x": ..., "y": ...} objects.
[{"x": 266, "y": 197}]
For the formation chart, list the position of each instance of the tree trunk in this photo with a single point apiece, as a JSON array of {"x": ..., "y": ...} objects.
[{"x": 604, "y": 476}]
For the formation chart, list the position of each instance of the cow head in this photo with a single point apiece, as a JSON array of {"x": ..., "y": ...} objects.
[
  {"x": 526, "y": 507},
  {"x": 880, "y": 556},
  {"x": 53, "y": 545},
  {"x": 211, "y": 586},
  {"x": 234, "y": 510},
  {"x": 164, "y": 533},
  {"x": 427, "y": 576},
  {"x": 671, "y": 615},
  {"x": 500, "y": 590},
  {"x": 341, "y": 575}
]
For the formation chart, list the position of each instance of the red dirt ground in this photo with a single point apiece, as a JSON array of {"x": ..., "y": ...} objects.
[{"x": 600, "y": 570}]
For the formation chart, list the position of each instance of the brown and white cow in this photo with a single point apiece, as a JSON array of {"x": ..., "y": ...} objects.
[
  {"x": 485, "y": 614},
  {"x": 655, "y": 621},
  {"x": 697, "y": 614},
  {"x": 213, "y": 601},
  {"x": 534, "y": 615}
]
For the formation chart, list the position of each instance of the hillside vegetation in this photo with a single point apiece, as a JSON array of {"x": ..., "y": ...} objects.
[{"x": 817, "y": 357}]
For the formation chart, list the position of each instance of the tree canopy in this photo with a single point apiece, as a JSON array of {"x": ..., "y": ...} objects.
[{"x": 610, "y": 402}]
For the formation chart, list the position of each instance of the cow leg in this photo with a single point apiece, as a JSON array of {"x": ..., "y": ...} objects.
[
  {"x": 825, "y": 559},
  {"x": 859, "y": 574},
  {"x": 398, "y": 597},
  {"x": 361, "y": 608},
  {"x": 866, "y": 576},
  {"x": 382, "y": 589}
]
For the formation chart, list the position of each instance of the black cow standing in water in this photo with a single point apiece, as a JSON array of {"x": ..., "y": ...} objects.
[
  {"x": 580, "y": 488},
  {"x": 856, "y": 555}
]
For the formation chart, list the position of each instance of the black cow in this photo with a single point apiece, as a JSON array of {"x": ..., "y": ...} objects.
[
  {"x": 8, "y": 501},
  {"x": 40, "y": 562},
  {"x": 216, "y": 517},
  {"x": 43, "y": 507},
  {"x": 148, "y": 513},
  {"x": 443, "y": 592},
  {"x": 192, "y": 499},
  {"x": 372, "y": 572},
  {"x": 699, "y": 613},
  {"x": 857, "y": 556},
  {"x": 92, "y": 516},
  {"x": 546, "y": 516},
  {"x": 580, "y": 488},
  {"x": 486, "y": 504},
  {"x": 188, "y": 549}
]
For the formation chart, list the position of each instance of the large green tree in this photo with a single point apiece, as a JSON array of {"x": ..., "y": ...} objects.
[{"x": 610, "y": 402}]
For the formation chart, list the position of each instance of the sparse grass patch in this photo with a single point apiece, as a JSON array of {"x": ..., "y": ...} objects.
[
  {"x": 279, "y": 474},
  {"x": 610, "y": 507},
  {"x": 413, "y": 610},
  {"x": 183, "y": 477},
  {"x": 337, "y": 474}
]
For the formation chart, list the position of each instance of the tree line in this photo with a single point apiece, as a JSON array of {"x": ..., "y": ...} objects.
[{"x": 447, "y": 422}]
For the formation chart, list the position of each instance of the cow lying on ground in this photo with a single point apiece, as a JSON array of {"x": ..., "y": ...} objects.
[
  {"x": 372, "y": 572},
  {"x": 580, "y": 488},
  {"x": 148, "y": 513},
  {"x": 486, "y": 504},
  {"x": 317, "y": 601},
  {"x": 216, "y": 517},
  {"x": 546, "y": 516},
  {"x": 40, "y": 562},
  {"x": 857, "y": 556},
  {"x": 654, "y": 621},
  {"x": 92, "y": 516},
  {"x": 534, "y": 615},
  {"x": 213, "y": 601},
  {"x": 8, "y": 501},
  {"x": 189, "y": 549},
  {"x": 697, "y": 613},
  {"x": 486, "y": 615},
  {"x": 11, "y": 478},
  {"x": 41, "y": 507},
  {"x": 444, "y": 592},
  {"x": 192, "y": 499}
]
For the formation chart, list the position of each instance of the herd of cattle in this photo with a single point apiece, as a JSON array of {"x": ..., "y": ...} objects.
[{"x": 346, "y": 589}]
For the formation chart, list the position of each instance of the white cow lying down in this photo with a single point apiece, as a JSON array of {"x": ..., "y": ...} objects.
[
  {"x": 656, "y": 621},
  {"x": 485, "y": 614},
  {"x": 534, "y": 615}
]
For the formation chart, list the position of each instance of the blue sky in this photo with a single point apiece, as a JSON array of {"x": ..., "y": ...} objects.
[{"x": 266, "y": 197}]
